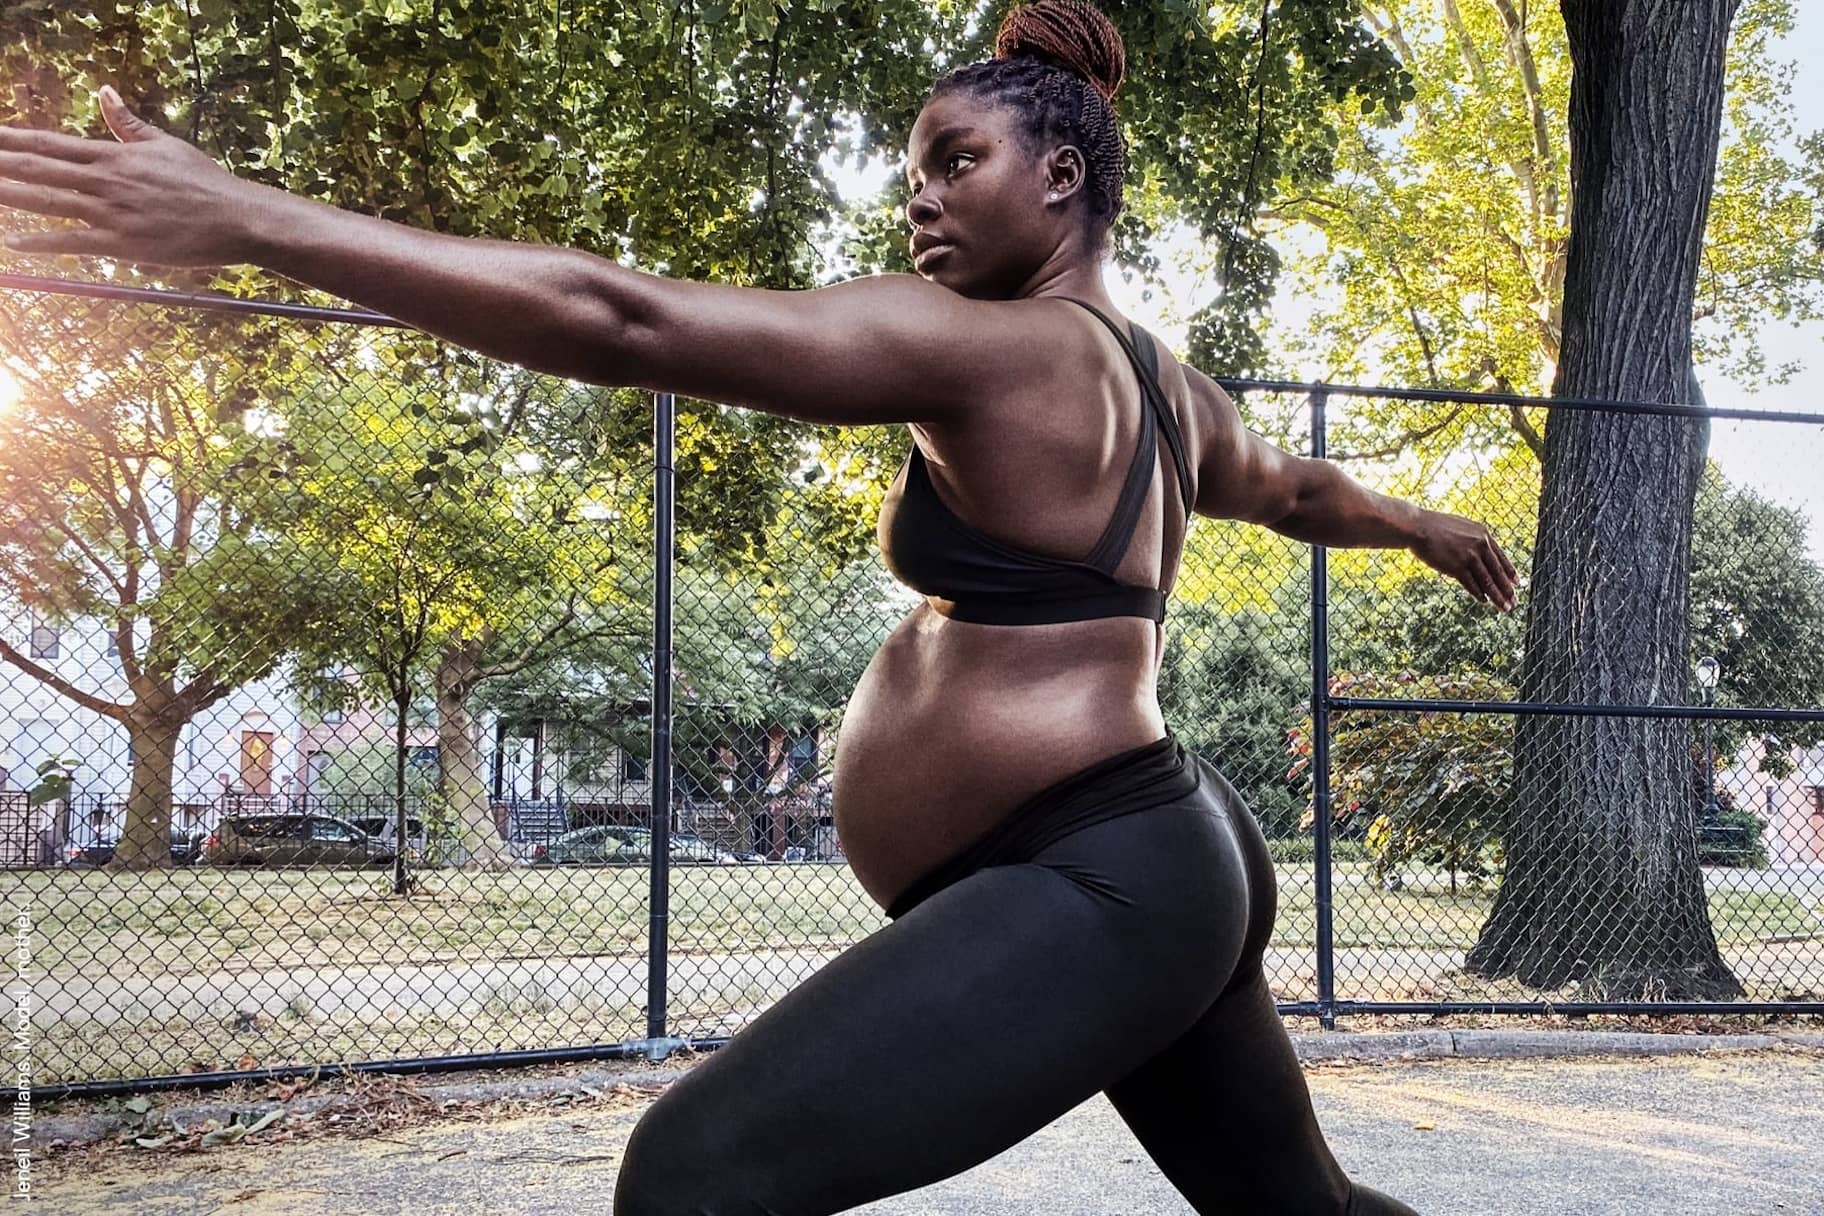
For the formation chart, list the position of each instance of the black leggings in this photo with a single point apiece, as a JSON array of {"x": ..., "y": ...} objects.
[{"x": 1106, "y": 937}]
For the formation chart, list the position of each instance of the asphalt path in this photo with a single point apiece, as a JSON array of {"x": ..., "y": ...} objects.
[{"x": 1675, "y": 1136}]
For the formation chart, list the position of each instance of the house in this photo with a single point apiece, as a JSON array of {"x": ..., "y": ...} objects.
[
  {"x": 241, "y": 743},
  {"x": 1792, "y": 806},
  {"x": 261, "y": 747}
]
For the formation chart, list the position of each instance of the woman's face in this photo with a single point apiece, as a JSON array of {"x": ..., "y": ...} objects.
[{"x": 981, "y": 221}]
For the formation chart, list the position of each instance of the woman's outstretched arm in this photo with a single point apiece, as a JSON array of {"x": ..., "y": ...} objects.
[
  {"x": 1242, "y": 476},
  {"x": 889, "y": 348}
]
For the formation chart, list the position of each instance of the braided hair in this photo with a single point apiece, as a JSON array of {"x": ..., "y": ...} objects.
[{"x": 1059, "y": 64}]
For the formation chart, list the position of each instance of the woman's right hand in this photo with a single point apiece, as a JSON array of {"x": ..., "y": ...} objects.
[{"x": 149, "y": 198}]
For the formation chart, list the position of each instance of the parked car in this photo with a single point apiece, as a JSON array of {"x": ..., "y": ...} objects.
[
  {"x": 293, "y": 840},
  {"x": 380, "y": 827},
  {"x": 185, "y": 848},
  {"x": 609, "y": 846},
  {"x": 96, "y": 852}
]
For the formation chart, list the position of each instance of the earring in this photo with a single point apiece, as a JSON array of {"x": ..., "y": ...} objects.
[{"x": 1053, "y": 196}]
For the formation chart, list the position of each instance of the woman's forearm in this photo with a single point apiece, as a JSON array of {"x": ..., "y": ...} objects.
[
  {"x": 543, "y": 306},
  {"x": 1334, "y": 509}
]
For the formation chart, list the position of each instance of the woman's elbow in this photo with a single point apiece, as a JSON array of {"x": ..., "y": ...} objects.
[{"x": 600, "y": 337}]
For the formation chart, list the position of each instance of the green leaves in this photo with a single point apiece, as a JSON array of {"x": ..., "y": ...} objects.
[{"x": 1443, "y": 242}]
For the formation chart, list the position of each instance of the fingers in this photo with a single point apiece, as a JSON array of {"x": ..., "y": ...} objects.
[
  {"x": 44, "y": 171},
  {"x": 42, "y": 200},
  {"x": 1493, "y": 577},
  {"x": 1472, "y": 579},
  {"x": 1493, "y": 587},
  {"x": 88, "y": 242},
  {"x": 1513, "y": 571},
  {"x": 127, "y": 126},
  {"x": 1506, "y": 576},
  {"x": 54, "y": 144}
]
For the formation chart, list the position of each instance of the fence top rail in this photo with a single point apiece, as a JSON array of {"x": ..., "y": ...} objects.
[
  {"x": 358, "y": 316},
  {"x": 1572, "y": 709}
]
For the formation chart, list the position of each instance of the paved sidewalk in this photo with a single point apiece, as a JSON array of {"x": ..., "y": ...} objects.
[{"x": 1675, "y": 1136}]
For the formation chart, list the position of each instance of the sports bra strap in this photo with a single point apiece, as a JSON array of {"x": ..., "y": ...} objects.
[
  {"x": 1111, "y": 547},
  {"x": 1148, "y": 369},
  {"x": 1174, "y": 440}
]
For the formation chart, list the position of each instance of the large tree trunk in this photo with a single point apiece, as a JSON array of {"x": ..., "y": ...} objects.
[
  {"x": 145, "y": 839},
  {"x": 1602, "y": 883},
  {"x": 463, "y": 781}
]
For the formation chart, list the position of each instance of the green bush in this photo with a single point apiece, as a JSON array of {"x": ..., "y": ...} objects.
[
  {"x": 1733, "y": 838},
  {"x": 1432, "y": 788}
]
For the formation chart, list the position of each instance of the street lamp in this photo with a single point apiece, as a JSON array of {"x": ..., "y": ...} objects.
[{"x": 1707, "y": 671}]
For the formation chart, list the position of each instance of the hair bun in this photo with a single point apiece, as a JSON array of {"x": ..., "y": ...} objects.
[{"x": 1074, "y": 34}]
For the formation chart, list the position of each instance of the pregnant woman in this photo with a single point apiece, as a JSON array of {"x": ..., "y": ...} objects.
[{"x": 1079, "y": 905}]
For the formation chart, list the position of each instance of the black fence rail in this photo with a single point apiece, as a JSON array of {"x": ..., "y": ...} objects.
[{"x": 342, "y": 673}]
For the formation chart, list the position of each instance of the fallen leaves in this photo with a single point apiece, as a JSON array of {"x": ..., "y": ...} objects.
[{"x": 360, "y": 1104}]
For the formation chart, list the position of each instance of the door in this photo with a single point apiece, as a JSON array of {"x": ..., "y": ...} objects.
[{"x": 256, "y": 763}]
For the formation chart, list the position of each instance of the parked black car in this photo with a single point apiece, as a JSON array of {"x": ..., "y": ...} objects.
[{"x": 185, "y": 848}]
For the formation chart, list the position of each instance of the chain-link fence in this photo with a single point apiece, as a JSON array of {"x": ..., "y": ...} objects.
[{"x": 341, "y": 673}]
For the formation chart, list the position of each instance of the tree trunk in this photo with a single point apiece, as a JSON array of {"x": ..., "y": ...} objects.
[
  {"x": 1602, "y": 885},
  {"x": 462, "y": 780},
  {"x": 145, "y": 839}
]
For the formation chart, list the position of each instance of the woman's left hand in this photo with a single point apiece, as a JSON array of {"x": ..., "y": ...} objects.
[
  {"x": 149, "y": 198},
  {"x": 1468, "y": 552}
]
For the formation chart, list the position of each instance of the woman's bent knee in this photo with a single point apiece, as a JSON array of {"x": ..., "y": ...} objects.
[
  {"x": 669, "y": 1170},
  {"x": 1366, "y": 1201}
]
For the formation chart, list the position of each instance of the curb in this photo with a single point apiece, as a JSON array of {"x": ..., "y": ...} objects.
[
  {"x": 1527, "y": 1044},
  {"x": 1334, "y": 1047}
]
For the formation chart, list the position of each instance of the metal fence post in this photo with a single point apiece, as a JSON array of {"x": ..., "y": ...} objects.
[
  {"x": 664, "y": 425},
  {"x": 1320, "y": 749}
]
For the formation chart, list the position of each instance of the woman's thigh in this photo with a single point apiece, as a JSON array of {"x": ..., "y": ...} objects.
[{"x": 986, "y": 1012}]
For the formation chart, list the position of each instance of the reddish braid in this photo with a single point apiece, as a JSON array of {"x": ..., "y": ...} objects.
[
  {"x": 1074, "y": 33},
  {"x": 1060, "y": 63}
]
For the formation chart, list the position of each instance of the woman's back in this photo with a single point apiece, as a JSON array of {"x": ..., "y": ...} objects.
[{"x": 956, "y": 722}]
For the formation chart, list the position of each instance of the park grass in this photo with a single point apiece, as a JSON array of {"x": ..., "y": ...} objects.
[
  {"x": 1393, "y": 945},
  {"x": 81, "y": 1051},
  {"x": 205, "y": 920}
]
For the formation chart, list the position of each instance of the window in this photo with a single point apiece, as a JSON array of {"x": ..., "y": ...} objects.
[
  {"x": 35, "y": 742},
  {"x": 324, "y": 829},
  {"x": 803, "y": 759},
  {"x": 45, "y": 638},
  {"x": 633, "y": 768}
]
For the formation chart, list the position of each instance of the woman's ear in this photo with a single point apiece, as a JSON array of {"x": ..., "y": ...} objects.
[{"x": 1064, "y": 171}]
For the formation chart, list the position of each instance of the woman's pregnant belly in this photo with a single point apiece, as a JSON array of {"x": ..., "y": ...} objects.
[{"x": 954, "y": 724}]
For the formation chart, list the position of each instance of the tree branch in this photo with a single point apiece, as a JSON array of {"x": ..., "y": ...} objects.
[
  {"x": 1406, "y": 439},
  {"x": 63, "y": 687},
  {"x": 1521, "y": 56},
  {"x": 1527, "y": 431}
]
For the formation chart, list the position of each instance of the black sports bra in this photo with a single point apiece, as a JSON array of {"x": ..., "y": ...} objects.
[{"x": 934, "y": 552}]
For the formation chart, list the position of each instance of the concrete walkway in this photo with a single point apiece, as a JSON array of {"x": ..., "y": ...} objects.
[{"x": 1675, "y": 1136}]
